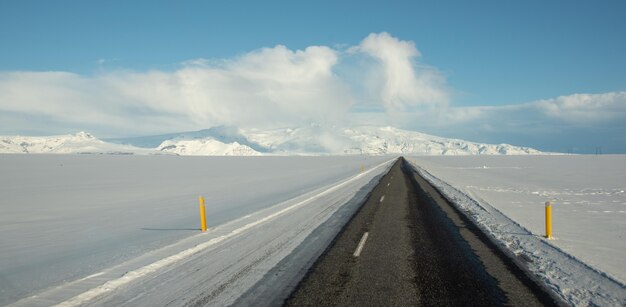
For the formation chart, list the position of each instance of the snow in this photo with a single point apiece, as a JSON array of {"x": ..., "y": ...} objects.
[
  {"x": 505, "y": 195},
  {"x": 78, "y": 224},
  {"x": 71, "y": 223},
  {"x": 384, "y": 140},
  {"x": 81, "y": 142},
  {"x": 206, "y": 147},
  {"x": 310, "y": 140},
  {"x": 373, "y": 141}
]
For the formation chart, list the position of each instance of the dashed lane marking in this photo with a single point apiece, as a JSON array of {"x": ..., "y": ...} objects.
[{"x": 359, "y": 248}]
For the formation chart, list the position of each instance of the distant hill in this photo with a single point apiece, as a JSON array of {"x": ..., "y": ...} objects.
[{"x": 223, "y": 141}]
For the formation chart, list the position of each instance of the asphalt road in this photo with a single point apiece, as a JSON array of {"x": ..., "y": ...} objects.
[{"x": 406, "y": 247}]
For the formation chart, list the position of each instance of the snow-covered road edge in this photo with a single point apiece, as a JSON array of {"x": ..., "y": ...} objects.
[
  {"x": 279, "y": 282},
  {"x": 569, "y": 279},
  {"x": 90, "y": 289}
]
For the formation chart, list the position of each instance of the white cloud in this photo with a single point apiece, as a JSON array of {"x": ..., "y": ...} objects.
[
  {"x": 401, "y": 83},
  {"x": 587, "y": 108},
  {"x": 266, "y": 87},
  {"x": 577, "y": 120},
  {"x": 581, "y": 109},
  {"x": 270, "y": 86}
]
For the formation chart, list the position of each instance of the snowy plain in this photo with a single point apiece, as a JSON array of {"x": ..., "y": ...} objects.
[
  {"x": 506, "y": 196},
  {"x": 67, "y": 217},
  {"x": 75, "y": 225}
]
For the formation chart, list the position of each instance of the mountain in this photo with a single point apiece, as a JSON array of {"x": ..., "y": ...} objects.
[
  {"x": 206, "y": 147},
  {"x": 222, "y": 134},
  {"x": 373, "y": 141},
  {"x": 81, "y": 142},
  {"x": 309, "y": 140}
]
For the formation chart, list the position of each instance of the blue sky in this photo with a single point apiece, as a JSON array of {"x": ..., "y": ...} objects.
[{"x": 518, "y": 57}]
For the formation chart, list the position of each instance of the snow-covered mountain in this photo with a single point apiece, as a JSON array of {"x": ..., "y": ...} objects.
[
  {"x": 221, "y": 141},
  {"x": 206, "y": 147},
  {"x": 373, "y": 141},
  {"x": 81, "y": 142}
]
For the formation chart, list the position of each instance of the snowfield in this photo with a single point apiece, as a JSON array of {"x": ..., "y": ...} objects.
[
  {"x": 505, "y": 195},
  {"x": 75, "y": 225}
]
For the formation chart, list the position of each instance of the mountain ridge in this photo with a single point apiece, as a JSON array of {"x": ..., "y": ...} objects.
[{"x": 232, "y": 141}]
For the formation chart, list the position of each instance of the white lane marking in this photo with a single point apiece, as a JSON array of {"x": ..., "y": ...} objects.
[
  {"x": 359, "y": 248},
  {"x": 388, "y": 183},
  {"x": 382, "y": 198},
  {"x": 90, "y": 276},
  {"x": 113, "y": 284}
]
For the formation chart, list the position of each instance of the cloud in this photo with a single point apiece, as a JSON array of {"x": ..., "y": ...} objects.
[
  {"x": 582, "y": 121},
  {"x": 267, "y": 87},
  {"x": 270, "y": 86},
  {"x": 575, "y": 109},
  {"x": 587, "y": 108},
  {"x": 401, "y": 83}
]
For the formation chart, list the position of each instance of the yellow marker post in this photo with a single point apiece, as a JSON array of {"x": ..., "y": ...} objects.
[
  {"x": 202, "y": 214},
  {"x": 549, "y": 220}
]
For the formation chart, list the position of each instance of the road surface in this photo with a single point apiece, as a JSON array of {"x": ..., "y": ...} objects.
[{"x": 407, "y": 246}]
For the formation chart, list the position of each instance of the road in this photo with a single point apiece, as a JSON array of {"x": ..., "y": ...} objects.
[
  {"x": 407, "y": 246},
  {"x": 370, "y": 239}
]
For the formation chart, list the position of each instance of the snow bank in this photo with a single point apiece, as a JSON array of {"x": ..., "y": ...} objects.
[{"x": 505, "y": 196}]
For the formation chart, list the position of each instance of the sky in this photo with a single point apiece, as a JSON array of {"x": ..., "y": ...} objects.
[{"x": 545, "y": 74}]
